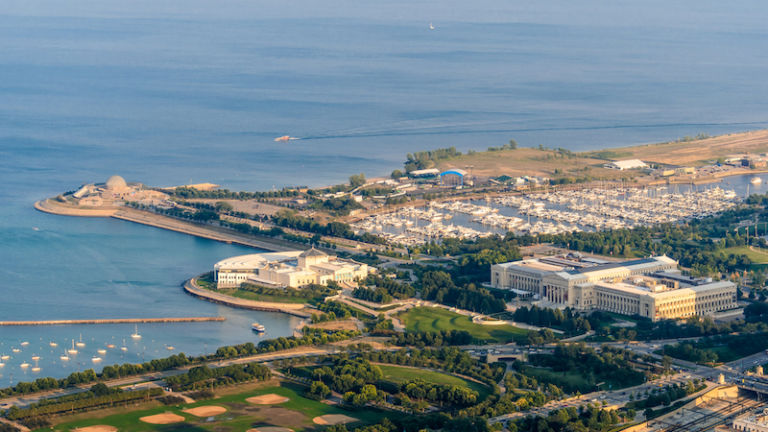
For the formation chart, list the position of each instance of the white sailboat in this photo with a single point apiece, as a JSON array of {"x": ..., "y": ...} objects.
[
  {"x": 136, "y": 334},
  {"x": 72, "y": 350},
  {"x": 80, "y": 343},
  {"x": 64, "y": 357},
  {"x": 431, "y": 27}
]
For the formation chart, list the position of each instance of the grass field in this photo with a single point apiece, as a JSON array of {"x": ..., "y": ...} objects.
[
  {"x": 296, "y": 414},
  {"x": 250, "y": 295},
  {"x": 534, "y": 161},
  {"x": 427, "y": 319},
  {"x": 401, "y": 374},
  {"x": 570, "y": 381},
  {"x": 756, "y": 255}
]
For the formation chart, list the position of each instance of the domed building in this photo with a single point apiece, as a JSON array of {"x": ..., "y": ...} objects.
[{"x": 116, "y": 183}]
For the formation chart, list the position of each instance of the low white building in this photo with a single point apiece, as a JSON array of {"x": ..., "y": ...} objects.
[
  {"x": 626, "y": 164},
  {"x": 287, "y": 269}
]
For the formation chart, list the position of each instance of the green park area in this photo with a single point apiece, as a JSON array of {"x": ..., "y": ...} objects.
[
  {"x": 402, "y": 374},
  {"x": 429, "y": 319},
  {"x": 270, "y": 406},
  {"x": 755, "y": 254}
]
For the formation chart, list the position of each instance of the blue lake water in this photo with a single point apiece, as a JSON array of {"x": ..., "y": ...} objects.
[{"x": 189, "y": 91}]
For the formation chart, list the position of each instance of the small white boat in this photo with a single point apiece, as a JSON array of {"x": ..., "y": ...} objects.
[
  {"x": 258, "y": 327},
  {"x": 110, "y": 346},
  {"x": 64, "y": 357},
  {"x": 170, "y": 347},
  {"x": 755, "y": 180},
  {"x": 25, "y": 343},
  {"x": 72, "y": 351},
  {"x": 95, "y": 359},
  {"x": 136, "y": 334},
  {"x": 5, "y": 357},
  {"x": 431, "y": 27},
  {"x": 24, "y": 365},
  {"x": 36, "y": 369},
  {"x": 16, "y": 350},
  {"x": 80, "y": 343},
  {"x": 101, "y": 351},
  {"x": 53, "y": 344},
  {"x": 35, "y": 357},
  {"x": 2, "y": 365}
]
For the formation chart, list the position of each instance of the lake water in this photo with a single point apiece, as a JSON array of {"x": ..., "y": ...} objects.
[{"x": 189, "y": 91}]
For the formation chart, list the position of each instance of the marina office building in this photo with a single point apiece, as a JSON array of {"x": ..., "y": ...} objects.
[
  {"x": 648, "y": 287},
  {"x": 287, "y": 269}
]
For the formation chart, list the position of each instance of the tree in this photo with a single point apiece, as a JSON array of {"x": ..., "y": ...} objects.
[
  {"x": 357, "y": 180},
  {"x": 318, "y": 390},
  {"x": 512, "y": 144},
  {"x": 396, "y": 174}
]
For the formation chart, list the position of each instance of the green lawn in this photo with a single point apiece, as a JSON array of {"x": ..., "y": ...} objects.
[
  {"x": 250, "y": 295},
  {"x": 296, "y": 414},
  {"x": 756, "y": 255},
  {"x": 401, "y": 374},
  {"x": 570, "y": 381},
  {"x": 426, "y": 319}
]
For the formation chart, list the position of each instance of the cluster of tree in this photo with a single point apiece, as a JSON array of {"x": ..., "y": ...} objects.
[
  {"x": 311, "y": 336},
  {"x": 187, "y": 192},
  {"x": 434, "y": 422},
  {"x": 540, "y": 337},
  {"x": 730, "y": 347},
  {"x": 338, "y": 206},
  {"x": 79, "y": 402},
  {"x": 202, "y": 376},
  {"x": 610, "y": 365},
  {"x": 333, "y": 310},
  {"x": 426, "y": 159},
  {"x": 380, "y": 289},
  {"x": 756, "y": 312},
  {"x": 89, "y": 375},
  {"x": 665, "y": 397},
  {"x": 567, "y": 320},
  {"x": 367, "y": 394},
  {"x": 347, "y": 374},
  {"x": 289, "y": 219},
  {"x": 511, "y": 145},
  {"x": 433, "y": 339},
  {"x": 202, "y": 216},
  {"x": 590, "y": 418},
  {"x": 439, "y": 393},
  {"x": 439, "y": 287},
  {"x": 673, "y": 329}
]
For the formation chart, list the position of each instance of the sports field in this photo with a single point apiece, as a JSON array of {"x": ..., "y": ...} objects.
[
  {"x": 426, "y": 319},
  {"x": 297, "y": 413}
]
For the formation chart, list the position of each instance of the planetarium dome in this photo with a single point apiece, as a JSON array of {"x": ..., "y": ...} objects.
[{"x": 116, "y": 182}]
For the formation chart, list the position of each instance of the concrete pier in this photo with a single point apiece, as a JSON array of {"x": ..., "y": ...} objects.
[{"x": 112, "y": 321}]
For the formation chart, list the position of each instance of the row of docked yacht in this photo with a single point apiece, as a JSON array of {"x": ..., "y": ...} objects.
[{"x": 549, "y": 213}]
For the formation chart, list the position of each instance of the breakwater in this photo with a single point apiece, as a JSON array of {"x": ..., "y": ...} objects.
[{"x": 112, "y": 321}]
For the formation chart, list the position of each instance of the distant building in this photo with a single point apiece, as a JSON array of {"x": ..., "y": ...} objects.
[
  {"x": 287, "y": 269},
  {"x": 626, "y": 164},
  {"x": 430, "y": 172},
  {"x": 752, "y": 422},
  {"x": 648, "y": 287},
  {"x": 452, "y": 177}
]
